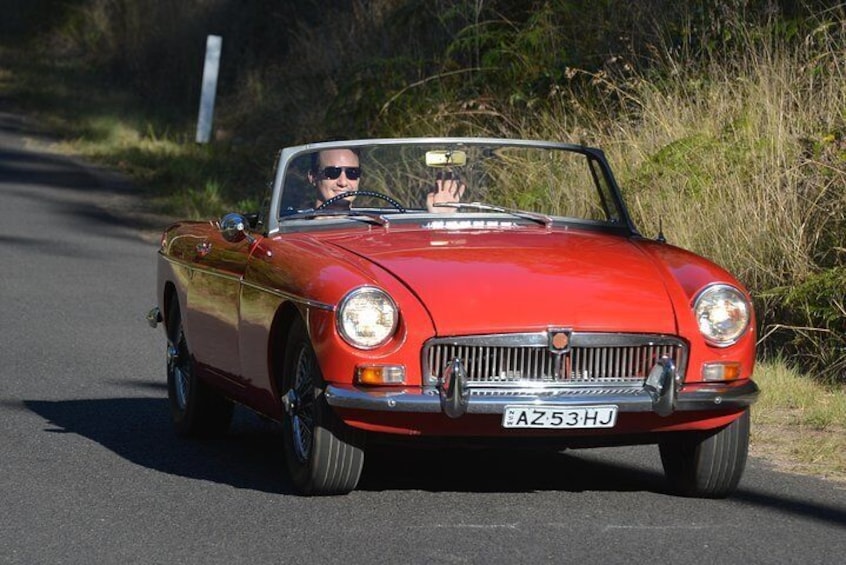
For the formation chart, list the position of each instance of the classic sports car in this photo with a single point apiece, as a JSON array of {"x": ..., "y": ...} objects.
[{"x": 455, "y": 290}]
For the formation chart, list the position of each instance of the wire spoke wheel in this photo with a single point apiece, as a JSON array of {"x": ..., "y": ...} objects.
[
  {"x": 323, "y": 454},
  {"x": 302, "y": 414},
  {"x": 196, "y": 409},
  {"x": 179, "y": 368}
]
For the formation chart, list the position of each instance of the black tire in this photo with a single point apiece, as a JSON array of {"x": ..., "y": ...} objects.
[
  {"x": 196, "y": 409},
  {"x": 324, "y": 456},
  {"x": 707, "y": 465}
]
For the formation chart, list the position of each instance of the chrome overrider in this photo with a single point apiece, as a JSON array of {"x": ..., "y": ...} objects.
[
  {"x": 661, "y": 386},
  {"x": 453, "y": 391}
]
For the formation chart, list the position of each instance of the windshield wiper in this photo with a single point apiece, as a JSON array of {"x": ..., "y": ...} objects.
[
  {"x": 542, "y": 219},
  {"x": 310, "y": 214}
]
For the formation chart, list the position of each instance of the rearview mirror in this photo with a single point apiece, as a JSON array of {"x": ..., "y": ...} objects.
[{"x": 443, "y": 158}]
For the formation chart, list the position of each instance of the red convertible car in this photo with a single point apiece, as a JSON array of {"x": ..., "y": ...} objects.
[{"x": 455, "y": 289}]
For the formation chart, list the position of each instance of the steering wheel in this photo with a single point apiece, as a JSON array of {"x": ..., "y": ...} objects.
[{"x": 349, "y": 193}]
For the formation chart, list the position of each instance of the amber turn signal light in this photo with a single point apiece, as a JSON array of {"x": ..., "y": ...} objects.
[
  {"x": 721, "y": 371},
  {"x": 376, "y": 375}
]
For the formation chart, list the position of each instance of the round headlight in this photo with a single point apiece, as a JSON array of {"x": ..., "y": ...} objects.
[
  {"x": 723, "y": 314},
  {"x": 367, "y": 317}
]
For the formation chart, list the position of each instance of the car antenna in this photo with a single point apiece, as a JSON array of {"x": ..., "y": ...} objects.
[{"x": 661, "y": 238}]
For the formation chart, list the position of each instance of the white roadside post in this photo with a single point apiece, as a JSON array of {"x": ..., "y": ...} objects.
[{"x": 210, "y": 72}]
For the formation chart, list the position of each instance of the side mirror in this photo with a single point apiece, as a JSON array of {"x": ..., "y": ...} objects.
[{"x": 233, "y": 228}]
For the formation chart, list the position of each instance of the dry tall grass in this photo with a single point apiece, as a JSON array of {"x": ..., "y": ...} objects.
[
  {"x": 746, "y": 167},
  {"x": 737, "y": 153},
  {"x": 743, "y": 160}
]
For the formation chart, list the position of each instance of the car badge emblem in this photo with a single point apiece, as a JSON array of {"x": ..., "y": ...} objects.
[{"x": 559, "y": 340}]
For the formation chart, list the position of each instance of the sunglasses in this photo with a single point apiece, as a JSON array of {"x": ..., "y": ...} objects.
[{"x": 332, "y": 173}]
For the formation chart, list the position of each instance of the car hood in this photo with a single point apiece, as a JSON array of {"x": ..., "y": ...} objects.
[{"x": 524, "y": 279}]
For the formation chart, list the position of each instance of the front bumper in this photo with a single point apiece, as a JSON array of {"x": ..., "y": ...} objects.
[
  {"x": 662, "y": 393},
  {"x": 688, "y": 397}
]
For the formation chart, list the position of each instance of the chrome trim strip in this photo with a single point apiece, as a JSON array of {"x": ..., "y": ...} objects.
[
  {"x": 534, "y": 339},
  {"x": 198, "y": 267},
  {"x": 291, "y": 297},
  {"x": 698, "y": 396},
  {"x": 540, "y": 339},
  {"x": 281, "y": 294},
  {"x": 205, "y": 270}
]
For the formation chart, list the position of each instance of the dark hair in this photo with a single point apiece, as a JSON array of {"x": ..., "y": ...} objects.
[{"x": 315, "y": 156}]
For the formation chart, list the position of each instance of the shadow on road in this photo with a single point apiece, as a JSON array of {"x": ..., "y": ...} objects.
[
  {"x": 139, "y": 430},
  {"x": 790, "y": 505},
  {"x": 80, "y": 191},
  {"x": 250, "y": 457},
  {"x": 500, "y": 470}
]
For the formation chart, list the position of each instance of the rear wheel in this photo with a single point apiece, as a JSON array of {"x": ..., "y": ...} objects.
[
  {"x": 196, "y": 409},
  {"x": 707, "y": 465},
  {"x": 324, "y": 455}
]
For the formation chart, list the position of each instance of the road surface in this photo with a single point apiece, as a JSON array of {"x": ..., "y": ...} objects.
[{"x": 90, "y": 471}]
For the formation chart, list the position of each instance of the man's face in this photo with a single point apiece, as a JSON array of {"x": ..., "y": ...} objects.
[{"x": 339, "y": 163}]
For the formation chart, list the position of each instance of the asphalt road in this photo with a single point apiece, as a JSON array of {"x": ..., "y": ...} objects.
[{"x": 90, "y": 471}]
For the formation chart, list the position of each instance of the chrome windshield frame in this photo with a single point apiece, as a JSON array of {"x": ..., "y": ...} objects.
[{"x": 287, "y": 155}]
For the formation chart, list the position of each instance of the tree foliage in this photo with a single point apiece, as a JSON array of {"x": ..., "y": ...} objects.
[{"x": 703, "y": 101}]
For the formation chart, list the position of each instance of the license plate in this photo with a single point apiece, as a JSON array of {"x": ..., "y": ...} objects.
[{"x": 557, "y": 418}]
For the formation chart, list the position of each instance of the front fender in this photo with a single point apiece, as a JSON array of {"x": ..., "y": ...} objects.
[
  {"x": 684, "y": 275},
  {"x": 316, "y": 275}
]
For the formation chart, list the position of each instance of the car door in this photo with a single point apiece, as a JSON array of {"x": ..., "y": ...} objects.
[{"x": 213, "y": 296}]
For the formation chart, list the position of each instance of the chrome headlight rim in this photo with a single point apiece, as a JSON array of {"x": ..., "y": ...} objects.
[
  {"x": 344, "y": 303},
  {"x": 741, "y": 299}
]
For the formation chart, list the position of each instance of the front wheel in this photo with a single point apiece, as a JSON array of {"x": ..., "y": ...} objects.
[
  {"x": 324, "y": 455},
  {"x": 707, "y": 465},
  {"x": 196, "y": 409}
]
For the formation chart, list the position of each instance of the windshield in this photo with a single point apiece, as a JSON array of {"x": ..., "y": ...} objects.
[{"x": 449, "y": 178}]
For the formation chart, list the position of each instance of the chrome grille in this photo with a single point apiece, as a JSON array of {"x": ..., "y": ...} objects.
[{"x": 525, "y": 360}]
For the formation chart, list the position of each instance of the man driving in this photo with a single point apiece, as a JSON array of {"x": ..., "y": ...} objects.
[
  {"x": 333, "y": 172},
  {"x": 336, "y": 171}
]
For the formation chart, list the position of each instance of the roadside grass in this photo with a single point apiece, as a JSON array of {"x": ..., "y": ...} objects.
[
  {"x": 742, "y": 160},
  {"x": 799, "y": 424},
  {"x": 112, "y": 126},
  {"x": 753, "y": 151}
]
